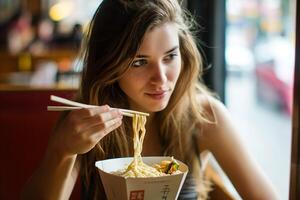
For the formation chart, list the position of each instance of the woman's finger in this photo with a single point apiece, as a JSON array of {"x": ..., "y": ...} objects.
[
  {"x": 99, "y": 136},
  {"x": 107, "y": 116},
  {"x": 100, "y": 130},
  {"x": 86, "y": 123},
  {"x": 89, "y": 112}
]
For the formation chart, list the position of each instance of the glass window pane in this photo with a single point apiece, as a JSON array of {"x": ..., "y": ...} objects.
[{"x": 260, "y": 61}]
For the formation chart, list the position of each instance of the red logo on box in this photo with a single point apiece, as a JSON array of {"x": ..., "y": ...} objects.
[{"x": 137, "y": 195}]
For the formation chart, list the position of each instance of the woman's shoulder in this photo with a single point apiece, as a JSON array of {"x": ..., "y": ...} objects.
[
  {"x": 218, "y": 123},
  {"x": 212, "y": 108}
]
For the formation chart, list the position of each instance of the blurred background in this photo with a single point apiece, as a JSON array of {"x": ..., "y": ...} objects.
[
  {"x": 249, "y": 54},
  {"x": 40, "y": 41},
  {"x": 260, "y": 48}
]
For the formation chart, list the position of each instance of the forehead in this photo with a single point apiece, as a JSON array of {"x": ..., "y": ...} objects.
[{"x": 160, "y": 39}]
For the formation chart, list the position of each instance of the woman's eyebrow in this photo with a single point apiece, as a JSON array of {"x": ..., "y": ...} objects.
[
  {"x": 171, "y": 50},
  {"x": 167, "y": 52}
]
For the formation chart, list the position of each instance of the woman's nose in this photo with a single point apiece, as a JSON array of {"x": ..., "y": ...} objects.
[{"x": 159, "y": 73}]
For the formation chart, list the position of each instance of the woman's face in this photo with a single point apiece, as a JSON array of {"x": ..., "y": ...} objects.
[{"x": 151, "y": 79}]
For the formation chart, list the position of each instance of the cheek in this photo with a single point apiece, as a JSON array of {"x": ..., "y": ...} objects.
[
  {"x": 130, "y": 84},
  {"x": 125, "y": 84},
  {"x": 175, "y": 72}
]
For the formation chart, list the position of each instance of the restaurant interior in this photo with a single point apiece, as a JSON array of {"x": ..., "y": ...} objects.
[{"x": 40, "y": 55}]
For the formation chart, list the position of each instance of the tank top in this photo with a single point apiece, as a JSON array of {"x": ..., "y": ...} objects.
[{"x": 188, "y": 190}]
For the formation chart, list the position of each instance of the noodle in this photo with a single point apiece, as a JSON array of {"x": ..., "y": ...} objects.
[{"x": 137, "y": 168}]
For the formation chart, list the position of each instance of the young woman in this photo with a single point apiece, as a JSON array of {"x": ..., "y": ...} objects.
[{"x": 141, "y": 55}]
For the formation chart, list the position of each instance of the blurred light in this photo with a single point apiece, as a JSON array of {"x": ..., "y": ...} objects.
[{"x": 61, "y": 10}]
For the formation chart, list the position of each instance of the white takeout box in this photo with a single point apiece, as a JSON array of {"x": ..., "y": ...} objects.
[{"x": 119, "y": 188}]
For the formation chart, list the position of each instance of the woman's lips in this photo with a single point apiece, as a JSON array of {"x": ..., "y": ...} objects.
[{"x": 157, "y": 95}]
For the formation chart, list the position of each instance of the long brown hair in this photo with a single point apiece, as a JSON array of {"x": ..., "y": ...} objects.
[{"x": 115, "y": 34}]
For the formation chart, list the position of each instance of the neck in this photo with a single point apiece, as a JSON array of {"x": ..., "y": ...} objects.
[
  {"x": 150, "y": 124},
  {"x": 152, "y": 142}
]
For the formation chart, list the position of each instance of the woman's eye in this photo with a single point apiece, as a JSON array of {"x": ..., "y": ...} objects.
[
  {"x": 170, "y": 57},
  {"x": 139, "y": 63}
]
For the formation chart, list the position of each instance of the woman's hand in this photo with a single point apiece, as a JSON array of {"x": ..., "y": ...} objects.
[
  {"x": 82, "y": 129},
  {"x": 77, "y": 133}
]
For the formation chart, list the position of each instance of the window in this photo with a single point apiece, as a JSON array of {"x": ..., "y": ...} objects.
[{"x": 260, "y": 62}]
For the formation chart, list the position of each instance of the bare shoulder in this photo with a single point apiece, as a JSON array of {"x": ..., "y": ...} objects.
[
  {"x": 219, "y": 128},
  {"x": 221, "y": 137},
  {"x": 214, "y": 108},
  {"x": 215, "y": 112}
]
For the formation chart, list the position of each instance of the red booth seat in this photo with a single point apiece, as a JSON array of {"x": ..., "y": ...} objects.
[{"x": 25, "y": 126}]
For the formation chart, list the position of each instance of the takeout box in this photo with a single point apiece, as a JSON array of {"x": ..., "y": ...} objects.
[{"x": 117, "y": 187}]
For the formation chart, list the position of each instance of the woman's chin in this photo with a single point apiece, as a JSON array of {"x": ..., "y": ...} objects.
[
  {"x": 156, "y": 108},
  {"x": 150, "y": 107}
]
